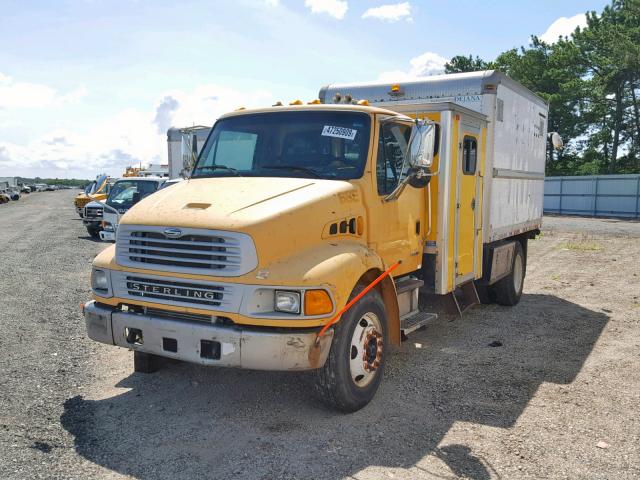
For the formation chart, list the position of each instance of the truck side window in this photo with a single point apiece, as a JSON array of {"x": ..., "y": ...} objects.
[
  {"x": 392, "y": 148},
  {"x": 469, "y": 155}
]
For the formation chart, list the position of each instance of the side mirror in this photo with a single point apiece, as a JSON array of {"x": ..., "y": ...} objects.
[
  {"x": 556, "y": 140},
  {"x": 421, "y": 150}
]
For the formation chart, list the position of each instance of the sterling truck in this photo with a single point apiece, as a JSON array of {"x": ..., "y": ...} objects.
[{"x": 306, "y": 232}]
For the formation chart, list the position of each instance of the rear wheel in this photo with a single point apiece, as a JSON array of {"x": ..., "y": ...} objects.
[
  {"x": 486, "y": 294},
  {"x": 353, "y": 371},
  {"x": 509, "y": 289}
]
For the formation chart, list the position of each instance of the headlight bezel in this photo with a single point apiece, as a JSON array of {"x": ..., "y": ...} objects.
[{"x": 101, "y": 282}]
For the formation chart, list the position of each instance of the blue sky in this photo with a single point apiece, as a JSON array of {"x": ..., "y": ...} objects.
[{"x": 90, "y": 86}]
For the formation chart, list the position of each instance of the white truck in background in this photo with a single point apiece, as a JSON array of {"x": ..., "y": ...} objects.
[{"x": 184, "y": 145}]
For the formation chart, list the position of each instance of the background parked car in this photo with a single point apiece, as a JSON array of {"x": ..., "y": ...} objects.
[
  {"x": 124, "y": 194},
  {"x": 92, "y": 218}
]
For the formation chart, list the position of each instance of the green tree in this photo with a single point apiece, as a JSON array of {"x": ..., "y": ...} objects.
[{"x": 460, "y": 64}]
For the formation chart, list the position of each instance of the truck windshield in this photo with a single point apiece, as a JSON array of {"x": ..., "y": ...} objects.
[
  {"x": 122, "y": 193},
  {"x": 321, "y": 144}
]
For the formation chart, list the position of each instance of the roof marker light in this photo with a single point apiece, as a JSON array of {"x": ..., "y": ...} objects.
[
  {"x": 363, "y": 102},
  {"x": 296, "y": 102},
  {"x": 314, "y": 102},
  {"x": 277, "y": 104}
]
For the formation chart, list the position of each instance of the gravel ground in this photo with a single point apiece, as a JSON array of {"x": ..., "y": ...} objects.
[{"x": 557, "y": 399}]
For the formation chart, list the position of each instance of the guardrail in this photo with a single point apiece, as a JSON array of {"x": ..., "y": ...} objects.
[{"x": 593, "y": 196}]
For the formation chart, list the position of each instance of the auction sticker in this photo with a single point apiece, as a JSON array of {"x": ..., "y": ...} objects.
[{"x": 339, "y": 132}]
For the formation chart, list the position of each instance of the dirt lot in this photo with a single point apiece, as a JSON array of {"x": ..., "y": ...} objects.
[{"x": 564, "y": 383}]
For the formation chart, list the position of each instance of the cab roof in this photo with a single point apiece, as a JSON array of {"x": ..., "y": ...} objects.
[{"x": 316, "y": 107}]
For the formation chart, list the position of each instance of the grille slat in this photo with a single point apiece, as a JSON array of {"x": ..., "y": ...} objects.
[
  {"x": 182, "y": 250},
  {"x": 179, "y": 242},
  {"x": 195, "y": 261},
  {"x": 196, "y": 251}
]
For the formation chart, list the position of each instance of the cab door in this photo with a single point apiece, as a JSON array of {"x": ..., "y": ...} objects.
[
  {"x": 467, "y": 204},
  {"x": 395, "y": 228}
]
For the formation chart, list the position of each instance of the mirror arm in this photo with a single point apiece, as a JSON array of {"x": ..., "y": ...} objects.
[{"x": 398, "y": 190}]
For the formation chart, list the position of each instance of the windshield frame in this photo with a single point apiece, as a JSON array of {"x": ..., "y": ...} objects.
[{"x": 285, "y": 171}]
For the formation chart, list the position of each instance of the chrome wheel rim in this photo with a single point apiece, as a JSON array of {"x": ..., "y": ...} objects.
[
  {"x": 366, "y": 349},
  {"x": 517, "y": 274}
]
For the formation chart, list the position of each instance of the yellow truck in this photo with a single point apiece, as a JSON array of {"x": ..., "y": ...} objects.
[
  {"x": 362, "y": 199},
  {"x": 97, "y": 191}
]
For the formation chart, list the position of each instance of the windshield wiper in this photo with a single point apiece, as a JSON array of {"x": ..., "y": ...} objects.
[
  {"x": 223, "y": 167},
  {"x": 294, "y": 168}
]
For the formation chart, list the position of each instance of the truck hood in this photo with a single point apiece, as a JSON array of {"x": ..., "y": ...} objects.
[{"x": 233, "y": 203}]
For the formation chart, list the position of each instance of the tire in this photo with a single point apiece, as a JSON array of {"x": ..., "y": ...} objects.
[
  {"x": 94, "y": 232},
  {"x": 509, "y": 289},
  {"x": 146, "y": 362},
  {"x": 337, "y": 384},
  {"x": 486, "y": 294}
]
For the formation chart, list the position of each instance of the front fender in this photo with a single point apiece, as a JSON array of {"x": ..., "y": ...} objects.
[{"x": 337, "y": 266}]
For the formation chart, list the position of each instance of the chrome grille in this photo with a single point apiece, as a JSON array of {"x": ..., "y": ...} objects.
[
  {"x": 93, "y": 213},
  {"x": 175, "y": 291},
  {"x": 193, "y": 250}
]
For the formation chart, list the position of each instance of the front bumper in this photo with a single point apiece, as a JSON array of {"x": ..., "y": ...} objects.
[
  {"x": 233, "y": 346},
  {"x": 107, "y": 236}
]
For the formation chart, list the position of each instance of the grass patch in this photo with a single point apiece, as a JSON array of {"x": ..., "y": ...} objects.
[{"x": 582, "y": 246}]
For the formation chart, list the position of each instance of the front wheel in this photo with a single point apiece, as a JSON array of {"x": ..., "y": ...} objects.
[
  {"x": 94, "y": 232},
  {"x": 353, "y": 371}
]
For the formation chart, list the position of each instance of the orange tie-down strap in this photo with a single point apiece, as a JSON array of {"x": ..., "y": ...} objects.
[{"x": 337, "y": 316}]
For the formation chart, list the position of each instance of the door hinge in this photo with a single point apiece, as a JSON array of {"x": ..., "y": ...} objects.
[
  {"x": 473, "y": 204},
  {"x": 458, "y": 206}
]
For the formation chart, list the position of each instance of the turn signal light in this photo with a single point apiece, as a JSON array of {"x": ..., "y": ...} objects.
[{"x": 317, "y": 302}]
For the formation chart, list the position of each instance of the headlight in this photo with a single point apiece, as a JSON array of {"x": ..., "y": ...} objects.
[
  {"x": 100, "y": 282},
  {"x": 287, "y": 301}
]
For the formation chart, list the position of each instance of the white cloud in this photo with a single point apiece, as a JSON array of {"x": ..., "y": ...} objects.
[
  {"x": 15, "y": 94},
  {"x": 390, "y": 13},
  {"x": 335, "y": 8},
  {"x": 127, "y": 138},
  {"x": 428, "y": 63},
  {"x": 563, "y": 27},
  {"x": 272, "y": 3}
]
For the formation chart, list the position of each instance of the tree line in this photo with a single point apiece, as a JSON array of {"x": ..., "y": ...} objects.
[{"x": 591, "y": 80}]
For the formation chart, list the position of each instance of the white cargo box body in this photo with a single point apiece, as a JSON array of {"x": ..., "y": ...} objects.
[
  {"x": 180, "y": 143},
  {"x": 516, "y": 137}
]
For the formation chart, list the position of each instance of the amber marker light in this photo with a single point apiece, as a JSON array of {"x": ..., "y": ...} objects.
[
  {"x": 395, "y": 88},
  {"x": 360, "y": 225},
  {"x": 317, "y": 302},
  {"x": 296, "y": 102}
]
